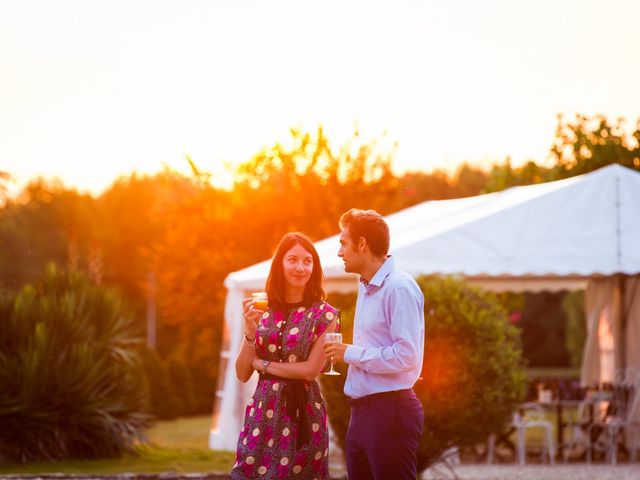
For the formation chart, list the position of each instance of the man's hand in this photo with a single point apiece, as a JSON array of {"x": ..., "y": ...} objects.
[{"x": 335, "y": 351}]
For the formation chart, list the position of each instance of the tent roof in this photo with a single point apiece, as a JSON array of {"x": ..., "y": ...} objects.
[{"x": 582, "y": 226}]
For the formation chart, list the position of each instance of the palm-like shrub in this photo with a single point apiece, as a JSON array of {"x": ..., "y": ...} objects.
[
  {"x": 472, "y": 373},
  {"x": 69, "y": 374}
]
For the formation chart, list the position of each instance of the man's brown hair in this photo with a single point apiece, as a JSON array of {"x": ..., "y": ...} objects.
[{"x": 370, "y": 225}]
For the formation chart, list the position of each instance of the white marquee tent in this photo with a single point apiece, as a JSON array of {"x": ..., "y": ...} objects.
[{"x": 581, "y": 232}]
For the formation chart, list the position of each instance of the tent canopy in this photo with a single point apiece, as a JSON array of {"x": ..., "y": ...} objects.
[{"x": 551, "y": 234}]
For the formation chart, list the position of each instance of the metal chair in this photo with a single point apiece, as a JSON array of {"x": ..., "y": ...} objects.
[
  {"x": 444, "y": 468},
  {"x": 606, "y": 434},
  {"x": 529, "y": 416}
]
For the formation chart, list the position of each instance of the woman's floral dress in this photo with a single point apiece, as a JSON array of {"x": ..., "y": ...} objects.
[{"x": 272, "y": 443}]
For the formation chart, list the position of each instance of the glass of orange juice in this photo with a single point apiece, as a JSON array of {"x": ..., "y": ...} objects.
[{"x": 261, "y": 302}]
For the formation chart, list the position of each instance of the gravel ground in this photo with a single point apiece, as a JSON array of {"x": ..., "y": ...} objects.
[
  {"x": 464, "y": 472},
  {"x": 512, "y": 471},
  {"x": 539, "y": 472}
]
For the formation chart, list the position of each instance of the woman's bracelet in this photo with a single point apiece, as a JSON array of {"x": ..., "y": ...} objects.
[
  {"x": 265, "y": 364},
  {"x": 250, "y": 341}
]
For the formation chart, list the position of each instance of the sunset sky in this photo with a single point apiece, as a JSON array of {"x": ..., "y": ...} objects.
[{"x": 90, "y": 90}]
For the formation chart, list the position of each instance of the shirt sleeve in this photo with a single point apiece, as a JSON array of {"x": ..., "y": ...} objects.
[{"x": 407, "y": 336}]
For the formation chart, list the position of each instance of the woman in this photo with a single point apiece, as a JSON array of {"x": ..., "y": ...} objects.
[{"x": 285, "y": 427}]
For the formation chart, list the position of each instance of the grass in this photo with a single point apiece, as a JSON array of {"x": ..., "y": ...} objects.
[
  {"x": 191, "y": 432},
  {"x": 173, "y": 446},
  {"x": 179, "y": 446}
]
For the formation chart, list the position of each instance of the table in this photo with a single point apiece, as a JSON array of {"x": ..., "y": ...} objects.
[{"x": 560, "y": 406}]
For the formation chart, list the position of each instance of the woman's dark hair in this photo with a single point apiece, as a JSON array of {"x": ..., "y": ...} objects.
[
  {"x": 370, "y": 225},
  {"x": 314, "y": 290}
]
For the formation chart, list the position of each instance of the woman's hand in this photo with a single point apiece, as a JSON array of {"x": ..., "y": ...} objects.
[
  {"x": 300, "y": 370},
  {"x": 256, "y": 364},
  {"x": 245, "y": 361},
  {"x": 251, "y": 316}
]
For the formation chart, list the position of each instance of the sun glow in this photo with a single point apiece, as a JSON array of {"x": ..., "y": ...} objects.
[{"x": 93, "y": 91}]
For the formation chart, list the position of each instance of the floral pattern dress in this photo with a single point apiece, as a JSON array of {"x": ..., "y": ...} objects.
[{"x": 269, "y": 446}]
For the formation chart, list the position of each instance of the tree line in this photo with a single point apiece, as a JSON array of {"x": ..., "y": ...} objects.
[{"x": 187, "y": 234}]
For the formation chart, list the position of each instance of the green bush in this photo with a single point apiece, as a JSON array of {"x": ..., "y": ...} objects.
[
  {"x": 164, "y": 401},
  {"x": 338, "y": 408},
  {"x": 175, "y": 388},
  {"x": 181, "y": 378},
  {"x": 472, "y": 373},
  {"x": 70, "y": 378}
]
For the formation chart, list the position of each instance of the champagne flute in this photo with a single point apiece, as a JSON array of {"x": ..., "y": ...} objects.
[{"x": 332, "y": 337}]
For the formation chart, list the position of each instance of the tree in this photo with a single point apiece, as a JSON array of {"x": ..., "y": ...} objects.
[
  {"x": 579, "y": 146},
  {"x": 589, "y": 143},
  {"x": 46, "y": 224},
  {"x": 147, "y": 223},
  {"x": 191, "y": 260},
  {"x": 317, "y": 182},
  {"x": 417, "y": 187},
  {"x": 5, "y": 178},
  {"x": 504, "y": 176},
  {"x": 469, "y": 181},
  {"x": 134, "y": 214}
]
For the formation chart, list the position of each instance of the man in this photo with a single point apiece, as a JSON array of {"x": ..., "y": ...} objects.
[{"x": 385, "y": 359}]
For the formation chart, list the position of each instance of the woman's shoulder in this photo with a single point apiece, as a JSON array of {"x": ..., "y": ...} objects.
[
  {"x": 326, "y": 307},
  {"x": 323, "y": 315}
]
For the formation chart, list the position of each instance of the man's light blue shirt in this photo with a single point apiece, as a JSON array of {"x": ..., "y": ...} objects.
[{"x": 388, "y": 334}]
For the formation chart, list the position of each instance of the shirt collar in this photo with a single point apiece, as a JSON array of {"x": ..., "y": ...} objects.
[{"x": 383, "y": 272}]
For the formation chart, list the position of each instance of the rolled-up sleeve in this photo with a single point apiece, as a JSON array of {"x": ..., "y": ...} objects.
[{"x": 406, "y": 337}]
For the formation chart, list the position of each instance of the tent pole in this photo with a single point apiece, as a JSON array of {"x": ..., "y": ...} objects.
[{"x": 621, "y": 284}]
